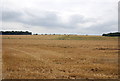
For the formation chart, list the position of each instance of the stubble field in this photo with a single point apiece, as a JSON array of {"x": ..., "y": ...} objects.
[{"x": 59, "y": 57}]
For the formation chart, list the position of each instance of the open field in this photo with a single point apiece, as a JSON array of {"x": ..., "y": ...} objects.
[
  {"x": 59, "y": 57},
  {"x": 0, "y": 58}
]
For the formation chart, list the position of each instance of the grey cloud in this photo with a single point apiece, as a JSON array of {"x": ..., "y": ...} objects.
[
  {"x": 46, "y": 19},
  {"x": 104, "y": 27},
  {"x": 49, "y": 19},
  {"x": 8, "y": 15},
  {"x": 119, "y": 16},
  {"x": 52, "y": 20},
  {"x": 76, "y": 19},
  {"x": 34, "y": 13},
  {"x": 80, "y": 19}
]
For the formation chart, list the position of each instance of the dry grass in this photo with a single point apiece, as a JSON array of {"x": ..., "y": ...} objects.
[{"x": 59, "y": 57}]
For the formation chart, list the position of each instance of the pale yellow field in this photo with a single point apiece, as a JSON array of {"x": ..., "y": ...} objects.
[{"x": 59, "y": 57}]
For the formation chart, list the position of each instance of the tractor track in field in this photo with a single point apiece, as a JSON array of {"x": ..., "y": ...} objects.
[
  {"x": 40, "y": 58},
  {"x": 44, "y": 59}
]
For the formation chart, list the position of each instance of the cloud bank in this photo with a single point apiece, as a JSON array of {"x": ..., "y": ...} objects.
[{"x": 60, "y": 16}]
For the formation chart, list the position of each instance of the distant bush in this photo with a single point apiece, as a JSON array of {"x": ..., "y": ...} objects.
[
  {"x": 35, "y": 34},
  {"x": 112, "y": 34}
]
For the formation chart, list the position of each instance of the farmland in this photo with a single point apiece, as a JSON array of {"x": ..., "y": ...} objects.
[{"x": 59, "y": 57}]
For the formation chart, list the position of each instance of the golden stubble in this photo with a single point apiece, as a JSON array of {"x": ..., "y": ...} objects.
[{"x": 45, "y": 57}]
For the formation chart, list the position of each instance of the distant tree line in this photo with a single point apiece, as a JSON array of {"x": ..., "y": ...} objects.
[
  {"x": 112, "y": 34},
  {"x": 54, "y": 34},
  {"x": 15, "y": 33}
]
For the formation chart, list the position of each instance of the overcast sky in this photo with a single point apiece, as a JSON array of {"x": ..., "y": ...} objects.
[{"x": 60, "y": 16}]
